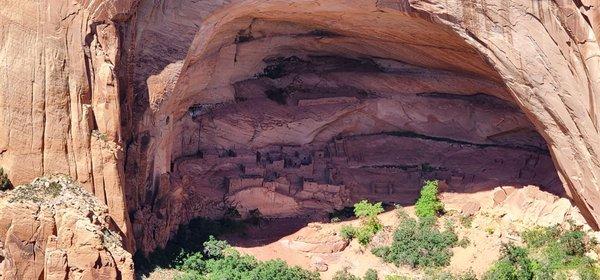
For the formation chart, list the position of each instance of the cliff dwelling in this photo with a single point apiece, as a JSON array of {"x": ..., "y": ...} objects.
[
  {"x": 317, "y": 133},
  {"x": 168, "y": 111},
  {"x": 287, "y": 117}
]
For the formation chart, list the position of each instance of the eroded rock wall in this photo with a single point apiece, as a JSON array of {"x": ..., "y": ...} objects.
[
  {"x": 52, "y": 229},
  {"x": 59, "y": 94},
  {"x": 100, "y": 89}
]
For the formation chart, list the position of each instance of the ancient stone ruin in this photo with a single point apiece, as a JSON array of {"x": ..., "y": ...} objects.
[{"x": 171, "y": 110}]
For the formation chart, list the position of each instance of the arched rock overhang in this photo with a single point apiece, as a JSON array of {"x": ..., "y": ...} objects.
[{"x": 528, "y": 53}]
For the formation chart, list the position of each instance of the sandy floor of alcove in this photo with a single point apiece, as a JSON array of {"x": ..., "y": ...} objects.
[{"x": 494, "y": 223}]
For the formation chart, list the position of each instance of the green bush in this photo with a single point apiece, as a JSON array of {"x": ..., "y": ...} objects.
[
  {"x": 467, "y": 221},
  {"x": 348, "y": 232},
  {"x": 419, "y": 244},
  {"x": 230, "y": 264},
  {"x": 364, "y": 209},
  {"x": 193, "y": 262},
  {"x": 344, "y": 275},
  {"x": 53, "y": 189},
  {"x": 364, "y": 236},
  {"x": 370, "y": 224},
  {"x": 371, "y": 274},
  {"x": 188, "y": 240},
  {"x": 540, "y": 236},
  {"x": 279, "y": 270},
  {"x": 588, "y": 273},
  {"x": 464, "y": 242},
  {"x": 445, "y": 275},
  {"x": 428, "y": 204},
  {"x": 214, "y": 248},
  {"x": 573, "y": 243},
  {"x": 396, "y": 277},
  {"x": 550, "y": 253},
  {"x": 365, "y": 233},
  {"x": 5, "y": 183}
]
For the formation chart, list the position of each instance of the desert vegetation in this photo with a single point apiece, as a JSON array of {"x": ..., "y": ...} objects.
[
  {"x": 547, "y": 253},
  {"x": 420, "y": 242},
  {"x": 187, "y": 242},
  {"x": 218, "y": 261},
  {"x": 370, "y": 224},
  {"x": 429, "y": 205}
]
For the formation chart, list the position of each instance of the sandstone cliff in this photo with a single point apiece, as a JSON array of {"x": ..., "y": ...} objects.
[
  {"x": 109, "y": 91},
  {"x": 52, "y": 229}
]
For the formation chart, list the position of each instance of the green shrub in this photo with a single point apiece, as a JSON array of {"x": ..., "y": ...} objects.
[
  {"x": 214, "y": 248},
  {"x": 396, "y": 277},
  {"x": 551, "y": 253},
  {"x": 588, "y": 273},
  {"x": 419, "y": 244},
  {"x": 230, "y": 264},
  {"x": 464, "y": 242},
  {"x": 370, "y": 224},
  {"x": 279, "y": 270},
  {"x": 364, "y": 235},
  {"x": 467, "y": 221},
  {"x": 540, "y": 236},
  {"x": 348, "y": 232},
  {"x": 194, "y": 262},
  {"x": 428, "y": 204},
  {"x": 5, "y": 183},
  {"x": 573, "y": 243},
  {"x": 187, "y": 241},
  {"x": 364, "y": 209},
  {"x": 53, "y": 189},
  {"x": 502, "y": 269},
  {"x": 436, "y": 274},
  {"x": 371, "y": 274},
  {"x": 344, "y": 275},
  {"x": 382, "y": 251}
]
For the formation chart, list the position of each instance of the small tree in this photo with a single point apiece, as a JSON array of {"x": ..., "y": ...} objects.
[
  {"x": 213, "y": 248},
  {"x": 429, "y": 204},
  {"x": 367, "y": 213},
  {"x": 419, "y": 244},
  {"x": 371, "y": 274},
  {"x": 348, "y": 232},
  {"x": 344, "y": 275},
  {"x": 364, "y": 209}
]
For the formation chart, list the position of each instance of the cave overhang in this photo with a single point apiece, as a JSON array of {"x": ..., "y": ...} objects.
[{"x": 239, "y": 42}]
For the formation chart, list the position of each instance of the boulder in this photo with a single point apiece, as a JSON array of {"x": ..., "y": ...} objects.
[{"x": 53, "y": 229}]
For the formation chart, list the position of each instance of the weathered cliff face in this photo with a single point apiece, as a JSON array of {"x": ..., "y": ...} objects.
[
  {"x": 165, "y": 109},
  {"x": 51, "y": 229},
  {"x": 59, "y": 95}
]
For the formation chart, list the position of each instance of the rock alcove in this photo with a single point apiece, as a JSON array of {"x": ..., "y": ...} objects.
[
  {"x": 153, "y": 106},
  {"x": 307, "y": 112},
  {"x": 317, "y": 133}
]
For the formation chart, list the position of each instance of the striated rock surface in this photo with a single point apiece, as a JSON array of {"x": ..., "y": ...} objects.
[
  {"x": 159, "y": 108},
  {"x": 59, "y": 95},
  {"x": 52, "y": 229}
]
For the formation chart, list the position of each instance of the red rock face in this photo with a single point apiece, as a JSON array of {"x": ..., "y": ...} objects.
[
  {"x": 51, "y": 229},
  {"x": 174, "y": 110}
]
